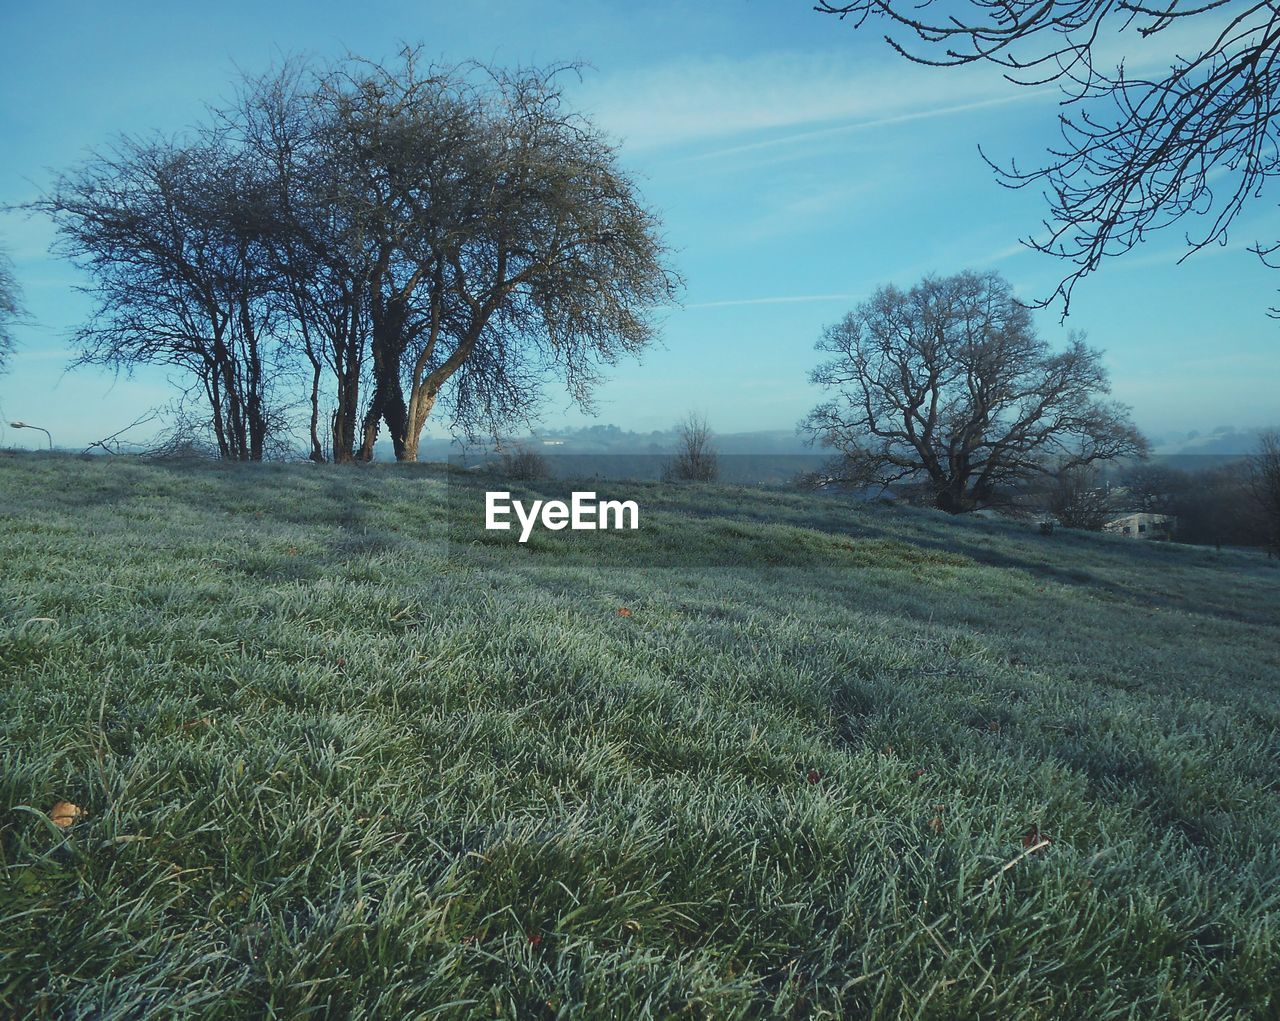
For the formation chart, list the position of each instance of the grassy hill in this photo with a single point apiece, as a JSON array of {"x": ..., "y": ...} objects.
[{"x": 338, "y": 759}]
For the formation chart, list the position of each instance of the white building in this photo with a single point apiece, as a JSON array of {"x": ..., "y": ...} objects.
[{"x": 1142, "y": 526}]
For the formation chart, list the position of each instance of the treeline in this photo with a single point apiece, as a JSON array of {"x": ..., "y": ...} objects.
[
  {"x": 1226, "y": 504},
  {"x": 358, "y": 246},
  {"x": 1230, "y": 502},
  {"x": 1233, "y": 502}
]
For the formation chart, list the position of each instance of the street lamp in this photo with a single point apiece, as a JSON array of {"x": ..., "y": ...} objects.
[{"x": 24, "y": 425}]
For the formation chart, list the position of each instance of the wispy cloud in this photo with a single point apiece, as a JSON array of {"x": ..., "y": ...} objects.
[
  {"x": 811, "y": 95},
  {"x": 1002, "y": 254},
  {"x": 698, "y": 101},
  {"x": 24, "y": 355},
  {"x": 818, "y": 134}
]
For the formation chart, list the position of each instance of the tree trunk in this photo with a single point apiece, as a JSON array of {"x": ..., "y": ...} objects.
[
  {"x": 345, "y": 420},
  {"x": 214, "y": 391},
  {"x": 317, "y": 450},
  {"x": 953, "y": 499},
  {"x": 387, "y": 404},
  {"x": 420, "y": 405},
  {"x": 346, "y": 416}
]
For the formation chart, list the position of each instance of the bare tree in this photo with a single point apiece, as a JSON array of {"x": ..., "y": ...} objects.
[
  {"x": 413, "y": 236},
  {"x": 10, "y": 309},
  {"x": 1078, "y": 498},
  {"x": 695, "y": 458},
  {"x": 506, "y": 242},
  {"x": 1138, "y": 152},
  {"x": 948, "y": 383},
  {"x": 1264, "y": 478},
  {"x": 172, "y": 235},
  {"x": 1153, "y": 487},
  {"x": 318, "y": 252}
]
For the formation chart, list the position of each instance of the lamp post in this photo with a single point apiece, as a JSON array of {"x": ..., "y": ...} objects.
[{"x": 24, "y": 425}]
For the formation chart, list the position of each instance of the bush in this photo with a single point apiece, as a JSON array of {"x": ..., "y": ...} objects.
[
  {"x": 523, "y": 464},
  {"x": 695, "y": 459},
  {"x": 1079, "y": 499}
]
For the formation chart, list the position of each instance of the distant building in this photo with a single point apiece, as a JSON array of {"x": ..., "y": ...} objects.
[{"x": 1142, "y": 526}]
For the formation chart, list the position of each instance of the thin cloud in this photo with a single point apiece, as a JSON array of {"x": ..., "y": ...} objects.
[
  {"x": 696, "y": 101},
  {"x": 692, "y": 102},
  {"x": 1001, "y": 254},
  {"x": 866, "y": 125}
]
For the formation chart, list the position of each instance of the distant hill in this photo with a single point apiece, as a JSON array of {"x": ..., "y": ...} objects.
[
  {"x": 609, "y": 439},
  {"x": 1223, "y": 443},
  {"x": 609, "y": 452}
]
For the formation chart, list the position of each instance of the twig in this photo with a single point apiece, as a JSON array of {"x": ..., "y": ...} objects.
[
  {"x": 105, "y": 442},
  {"x": 1043, "y": 843}
]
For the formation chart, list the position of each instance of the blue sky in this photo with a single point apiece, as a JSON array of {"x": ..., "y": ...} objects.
[{"x": 797, "y": 165}]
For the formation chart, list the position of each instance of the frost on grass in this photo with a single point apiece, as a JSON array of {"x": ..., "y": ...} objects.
[{"x": 890, "y": 762}]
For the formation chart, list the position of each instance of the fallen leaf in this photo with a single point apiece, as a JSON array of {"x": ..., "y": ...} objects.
[
  {"x": 623, "y": 612},
  {"x": 534, "y": 939},
  {"x": 64, "y": 814},
  {"x": 814, "y": 775},
  {"x": 1033, "y": 837}
]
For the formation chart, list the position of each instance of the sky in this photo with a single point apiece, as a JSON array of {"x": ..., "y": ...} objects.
[{"x": 797, "y": 165}]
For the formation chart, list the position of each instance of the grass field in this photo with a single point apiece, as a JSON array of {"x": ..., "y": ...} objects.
[{"x": 331, "y": 765}]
